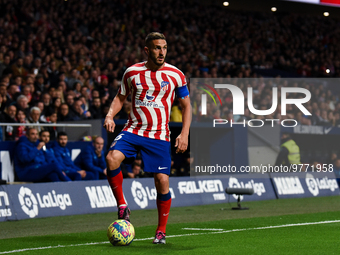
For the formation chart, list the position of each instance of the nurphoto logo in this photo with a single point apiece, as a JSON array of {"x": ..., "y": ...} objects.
[{"x": 238, "y": 105}]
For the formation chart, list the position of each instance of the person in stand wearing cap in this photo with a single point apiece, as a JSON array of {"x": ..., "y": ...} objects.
[{"x": 103, "y": 87}]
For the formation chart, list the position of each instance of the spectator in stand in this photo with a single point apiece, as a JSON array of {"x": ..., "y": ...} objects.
[
  {"x": 21, "y": 130},
  {"x": 70, "y": 100},
  {"x": 61, "y": 90},
  {"x": 73, "y": 79},
  {"x": 32, "y": 163},
  {"x": 27, "y": 91},
  {"x": 92, "y": 159},
  {"x": 63, "y": 156},
  {"x": 22, "y": 104},
  {"x": 96, "y": 109},
  {"x": 94, "y": 81},
  {"x": 41, "y": 106},
  {"x": 78, "y": 112},
  {"x": 54, "y": 107},
  {"x": 18, "y": 69},
  {"x": 62, "y": 78},
  {"x": 85, "y": 92},
  {"x": 53, "y": 76},
  {"x": 46, "y": 99},
  {"x": 77, "y": 89},
  {"x": 85, "y": 103},
  {"x": 34, "y": 118},
  {"x": 95, "y": 93},
  {"x": 135, "y": 171},
  {"x": 113, "y": 89},
  {"x": 52, "y": 119},
  {"x": 103, "y": 87},
  {"x": 9, "y": 117},
  {"x": 4, "y": 65},
  {"x": 3, "y": 95},
  {"x": 18, "y": 81},
  {"x": 12, "y": 92},
  {"x": 40, "y": 85},
  {"x": 64, "y": 114}
]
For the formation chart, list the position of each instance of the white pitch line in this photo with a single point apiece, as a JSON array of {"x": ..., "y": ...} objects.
[
  {"x": 170, "y": 236},
  {"x": 207, "y": 229}
]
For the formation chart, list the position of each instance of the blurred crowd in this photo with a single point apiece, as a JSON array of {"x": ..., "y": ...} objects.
[{"x": 63, "y": 60}]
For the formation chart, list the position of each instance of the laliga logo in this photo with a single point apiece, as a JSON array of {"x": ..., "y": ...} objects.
[
  {"x": 316, "y": 184},
  {"x": 139, "y": 194},
  {"x": 258, "y": 187},
  {"x": 238, "y": 103},
  {"x": 28, "y": 202},
  {"x": 312, "y": 185}
]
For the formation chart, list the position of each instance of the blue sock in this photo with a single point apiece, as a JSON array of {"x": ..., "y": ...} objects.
[
  {"x": 163, "y": 197},
  {"x": 113, "y": 173}
]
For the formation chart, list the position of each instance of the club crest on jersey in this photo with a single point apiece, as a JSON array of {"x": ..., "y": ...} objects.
[{"x": 165, "y": 85}]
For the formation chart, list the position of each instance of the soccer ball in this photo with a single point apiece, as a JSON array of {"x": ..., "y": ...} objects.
[{"x": 120, "y": 232}]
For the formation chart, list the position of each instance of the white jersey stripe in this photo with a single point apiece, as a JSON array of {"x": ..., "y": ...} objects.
[{"x": 151, "y": 110}]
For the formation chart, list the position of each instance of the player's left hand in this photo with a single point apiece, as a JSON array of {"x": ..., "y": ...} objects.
[{"x": 181, "y": 143}]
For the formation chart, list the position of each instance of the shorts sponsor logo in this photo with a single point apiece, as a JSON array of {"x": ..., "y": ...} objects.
[
  {"x": 288, "y": 185},
  {"x": 30, "y": 202},
  {"x": 4, "y": 204},
  {"x": 314, "y": 185},
  {"x": 100, "y": 196}
]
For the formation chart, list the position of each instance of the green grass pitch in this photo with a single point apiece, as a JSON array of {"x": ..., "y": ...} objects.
[{"x": 287, "y": 226}]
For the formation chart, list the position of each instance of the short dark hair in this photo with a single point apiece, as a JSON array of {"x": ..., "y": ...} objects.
[
  {"x": 61, "y": 133},
  {"x": 43, "y": 131},
  {"x": 153, "y": 36}
]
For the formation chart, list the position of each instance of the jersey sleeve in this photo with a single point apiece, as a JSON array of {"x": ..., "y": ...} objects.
[
  {"x": 181, "y": 88},
  {"x": 125, "y": 85},
  {"x": 182, "y": 81}
]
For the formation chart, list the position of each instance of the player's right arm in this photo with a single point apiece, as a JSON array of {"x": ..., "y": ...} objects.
[{"x": 115, "y": 107}]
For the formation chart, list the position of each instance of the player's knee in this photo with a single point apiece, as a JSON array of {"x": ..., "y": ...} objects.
[
  {"x": 112, "y": 161},
  {"x": 162, "y": 183}
]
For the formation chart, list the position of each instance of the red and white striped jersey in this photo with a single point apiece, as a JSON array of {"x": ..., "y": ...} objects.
[{"x": 152, "y": 95}]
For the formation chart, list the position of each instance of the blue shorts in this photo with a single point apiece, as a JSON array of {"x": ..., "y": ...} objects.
[{"x": 156, "y": 154}]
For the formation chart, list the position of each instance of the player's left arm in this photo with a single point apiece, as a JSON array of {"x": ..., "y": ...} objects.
[{"x": 182, "y": 139}]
